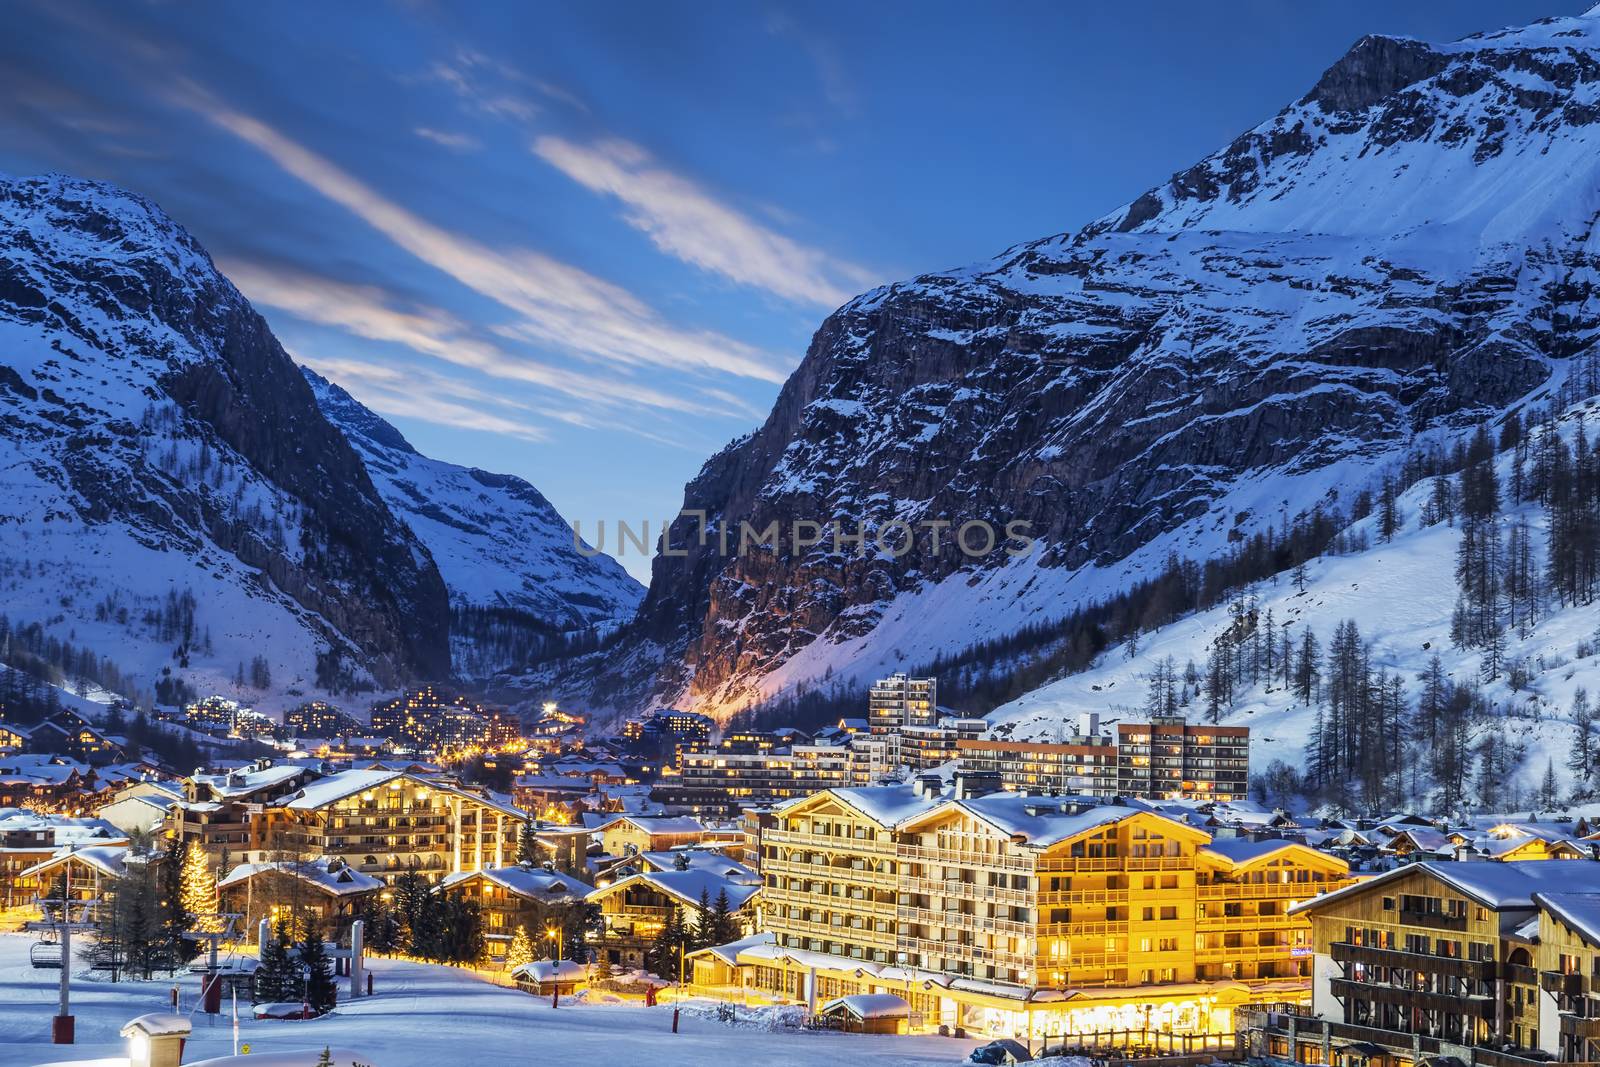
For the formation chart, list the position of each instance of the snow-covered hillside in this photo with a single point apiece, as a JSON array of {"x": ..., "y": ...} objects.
[
  {"x": 1401, "y": 594},
  {"x": 1409, "y": 249},
  {"x": 174, "y": 499},
  {"x": 184, "y": 506},
  {"x": 498, "y": 543}
]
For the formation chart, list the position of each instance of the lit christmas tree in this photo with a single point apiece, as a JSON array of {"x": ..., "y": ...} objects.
[
  {"x": 521, "y": 950},
  {"x": 199, "y": 888}
]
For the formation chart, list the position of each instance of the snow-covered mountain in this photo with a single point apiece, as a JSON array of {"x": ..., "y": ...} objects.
[
  {"x": 1406, "y": 250},
  {"x": 498, "y": 543},
  {"x": 177, "y": 503},
  {"x": 1401, "y": 594}
]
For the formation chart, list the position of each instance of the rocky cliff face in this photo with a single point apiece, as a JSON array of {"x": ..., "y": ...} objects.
[
  {"x": 499, "y": 544},
  {"x": 159, "y": 446},
  {"x": 1408, "y": 248}
]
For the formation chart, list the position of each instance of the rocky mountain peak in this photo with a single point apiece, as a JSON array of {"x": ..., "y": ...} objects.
[
  {"x": 164, "y": 443},
  {"x": 1406, "y": 250},
  {"x": 1374, "y": 68}
]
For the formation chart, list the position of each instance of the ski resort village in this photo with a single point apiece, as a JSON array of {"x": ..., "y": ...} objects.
[{"x": 493, "y": 568}]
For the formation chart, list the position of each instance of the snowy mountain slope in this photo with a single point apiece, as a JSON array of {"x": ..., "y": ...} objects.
[
  {"x": 497, "y": 541},
  {"x": 1405, "y": 250},
  {"x": 174, "y": 498},
  {"x": 1401, "y": 595}
]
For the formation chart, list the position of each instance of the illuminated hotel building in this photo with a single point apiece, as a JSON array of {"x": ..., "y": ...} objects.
[
  {"x": 1475, "y": 962},
  {"x": 898, "y": 701},
  {"x": 1168, "y": 757},
  {"x": 725, "y": 781},
  {"x": 1082, "y": 765},
  {"x": 384, "y": 823},
  {"x": 1014, "y": 915}
]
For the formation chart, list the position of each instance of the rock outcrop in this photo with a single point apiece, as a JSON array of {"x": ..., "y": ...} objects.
[{"x": 1409, "y": 248}]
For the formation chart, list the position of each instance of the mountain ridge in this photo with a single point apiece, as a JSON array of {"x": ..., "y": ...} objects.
[
  {"x": 1404, "y": 251},
  {"x": 182, "y": 506}
]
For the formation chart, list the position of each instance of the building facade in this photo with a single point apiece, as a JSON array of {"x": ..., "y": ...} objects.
[
  {"x": 1486, "y": 963},
  {"x": 898, "y": 701},
  {"x": 383, "y": 823},
  {"x": 742, "y": 772},
  {"x": 999, "y": 902},
  {"x": 1083, "y": 766},
  {"x": 1168, "y": 757}
]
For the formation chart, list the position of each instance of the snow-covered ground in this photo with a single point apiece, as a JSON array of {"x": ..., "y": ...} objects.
[
  {"x": 426, "y": 1016},
  {"x": 1401, "y": 595}
]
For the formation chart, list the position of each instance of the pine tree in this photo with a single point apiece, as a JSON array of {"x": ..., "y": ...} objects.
[
  {"x": 662, "y": 958},
  {"x": 1388, "y": 511},
  {"x": 1308, "y": 667},
  {"x": 724, "y": 927},
  {"x": 317, "y": 982},
  {"x": 1581, "y": 761},
  {"x": 199, "y": 889},
  {"x": 700, "y": 936},
  {"x": 528, "y": 845},
  {"x": 176, "y": 918},
  {"x": 274, "y": 979},
  {"x": 1548, "y": 794},
  {"x": 521, "y": 950}
]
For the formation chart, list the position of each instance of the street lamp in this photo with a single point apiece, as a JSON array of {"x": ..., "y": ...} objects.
[{"x": 556, "y": 934}]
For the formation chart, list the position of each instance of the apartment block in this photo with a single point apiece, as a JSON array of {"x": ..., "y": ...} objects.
[
  {"x": 750, "y": 771},
  {"x": 898, "y": 701},
  {"x": 1169, "y": 757},
  {"x": 1479, "y": 962},
  {"x": 1082, "y": 765},
  {"x": 994, "y": 904}
]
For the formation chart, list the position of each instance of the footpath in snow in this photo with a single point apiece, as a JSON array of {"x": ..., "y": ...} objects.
[{"x": 430, "y": 1016}]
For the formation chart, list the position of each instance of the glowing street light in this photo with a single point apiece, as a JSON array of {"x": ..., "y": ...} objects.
[{"x": 556, "y": 934}]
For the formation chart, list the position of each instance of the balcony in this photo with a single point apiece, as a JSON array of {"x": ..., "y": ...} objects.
[
  {"x": 1571, "y": 985},
  {"x": 1475, "y": 1006},
  {"x": 966, "y": 860},
  {"x": 1449, "y": 966},
  {"x": 1516, "y": 972},
  {"x": 1577, "y": 1026},
  {"x": 1436, "y": 920}
]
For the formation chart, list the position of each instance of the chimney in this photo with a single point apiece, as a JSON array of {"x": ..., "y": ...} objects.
[
  {"x": 1088, "y": 723},
  {"x": 928, "y": 786},
  {"x": 973, "y": 784}
]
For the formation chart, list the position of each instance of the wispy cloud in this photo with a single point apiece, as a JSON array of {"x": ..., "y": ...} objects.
[
  {"x": 457, "y": 142},
  {"x": 434, "y": 398},
  {"x": 835, "y": 82},
  {"x": 499, "y": 89},
  {"x": 368, "y": 311},
  {"x": 686, "y": 221},
  {"x": 557, "y": 304}
]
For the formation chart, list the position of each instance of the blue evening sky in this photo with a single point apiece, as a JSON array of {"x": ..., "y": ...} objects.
[{"x": 585, "y": 243}]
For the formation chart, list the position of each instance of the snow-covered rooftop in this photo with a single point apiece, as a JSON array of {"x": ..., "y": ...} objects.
[
  {"x": 343, "y": 881},
  {"x": 687, "y": 887},
  {"x": 1580, "y": 911},
  {"x": 531, "y": 883},
  {"x": 869, "y": 1006}
]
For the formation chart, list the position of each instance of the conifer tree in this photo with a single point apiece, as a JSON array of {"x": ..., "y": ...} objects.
[
  {"x": 527, "y": 845},
  {"x": 521, "y": 949},
  {"x": 317, "y": 985},
  {"x": 724, "y": 927},
  {"x": 199, "y": 887},
  {"x": 274, "y": 975},
  {"x": 1547, "y": 787},
  {"x": 1581, "y": 761}
]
